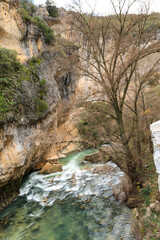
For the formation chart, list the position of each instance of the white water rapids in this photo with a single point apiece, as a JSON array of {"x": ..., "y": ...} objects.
[{"x": 77, "y": 202}]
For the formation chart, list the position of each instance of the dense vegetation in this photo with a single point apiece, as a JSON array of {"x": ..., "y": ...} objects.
[{"x": 14, "y": 100}]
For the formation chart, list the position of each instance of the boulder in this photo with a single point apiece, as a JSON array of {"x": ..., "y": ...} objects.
[
  {"x": 41, "y": 164},
  {"x": 51, "y": 168},
  {"x": 121, "y": 186},
  {"x": 93, "y": 158}
]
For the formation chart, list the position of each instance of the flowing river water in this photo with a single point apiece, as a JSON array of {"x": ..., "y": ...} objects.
[{"x": 73, "y": 205}]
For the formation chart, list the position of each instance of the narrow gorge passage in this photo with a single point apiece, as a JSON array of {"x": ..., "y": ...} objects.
[{"x": 73, "y": 205}]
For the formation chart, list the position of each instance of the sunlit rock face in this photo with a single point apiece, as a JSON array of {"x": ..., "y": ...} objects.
[
  {"x": 155, "y": 129},
  {"x": 26, "y": 39}
]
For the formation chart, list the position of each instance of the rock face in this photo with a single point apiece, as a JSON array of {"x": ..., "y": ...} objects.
[
  {"x": 27, "y": 142},
  {"x": 15, "y": 34},
  {"x": 93, "y": 158},
  {"x": 155, "y": 129},
  {"x": 51, "y": 168}
]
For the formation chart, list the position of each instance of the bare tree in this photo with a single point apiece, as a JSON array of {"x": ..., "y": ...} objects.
[{"x": 112, "y": 51}]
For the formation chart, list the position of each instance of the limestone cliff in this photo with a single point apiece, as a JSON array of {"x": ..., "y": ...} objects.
[
  {"x": 15, "y": 34},
  {"x": 31, "y": 138}
]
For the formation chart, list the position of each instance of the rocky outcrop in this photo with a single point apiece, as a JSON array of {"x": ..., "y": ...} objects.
[
  {"x": 107, "y": 152},
  {"x": 51, "y": 168},
  {"x": 93, "y": 158},
  {"x": 26, "y": 39},
  {"x": 122, "y": 187},
  {"x": 155, "y": 129}
]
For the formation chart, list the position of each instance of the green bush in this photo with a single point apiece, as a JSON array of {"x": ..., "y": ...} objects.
[
  {"x": 41, "y": 106},
  {"x": 8, "y": 62},
  {"x": 3, "y": 105},
  {"x": 51, "y": 8},
  {"x": 4, "y": 81},
  {"x": 25, "y": 15},
  {"x": 28, "y": 6},
  {"x": 33, "y": 65},
  {"x": 46, "y": 30},
  {"x": 42, "y": 83}
]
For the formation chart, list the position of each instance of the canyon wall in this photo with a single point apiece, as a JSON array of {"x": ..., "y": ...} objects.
[{"x": 32, "y": 139}]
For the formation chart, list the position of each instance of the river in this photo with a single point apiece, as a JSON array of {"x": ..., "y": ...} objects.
[{"x": 73, "y": 205}]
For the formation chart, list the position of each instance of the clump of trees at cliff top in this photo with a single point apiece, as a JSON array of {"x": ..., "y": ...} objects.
[
  {"x": 14, "y": 101},
  {"x": 28, "y": 13},
  {"x": 120, "y": 56},
  {"x": 51, "y": 8}
]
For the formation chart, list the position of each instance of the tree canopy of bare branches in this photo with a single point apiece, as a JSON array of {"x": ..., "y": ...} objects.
[{"x": 114, "y": 50}]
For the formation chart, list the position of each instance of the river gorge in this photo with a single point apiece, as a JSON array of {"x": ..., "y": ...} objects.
[
  {"x": 75, "y": 204},
  {"x": 79, "y": 137}
]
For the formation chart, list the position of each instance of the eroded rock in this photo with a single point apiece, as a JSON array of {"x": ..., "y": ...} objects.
[
  {"x": 93, "y": 158},
  {"x": 122, "y": 186},
  {"x": 51, "y": 168}
]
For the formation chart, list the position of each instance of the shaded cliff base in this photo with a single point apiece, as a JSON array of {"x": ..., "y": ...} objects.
[{"x": 9, "y": 192}]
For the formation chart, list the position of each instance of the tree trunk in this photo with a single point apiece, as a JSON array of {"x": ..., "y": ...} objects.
[
  {"x": 130, "y": 162},
  {"x": 138, "y": 143}
]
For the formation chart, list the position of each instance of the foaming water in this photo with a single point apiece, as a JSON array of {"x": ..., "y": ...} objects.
[{"x": 72, "y": 205}]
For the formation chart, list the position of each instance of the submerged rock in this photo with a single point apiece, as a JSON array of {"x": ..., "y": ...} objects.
[{"x": 51, "y": 168}]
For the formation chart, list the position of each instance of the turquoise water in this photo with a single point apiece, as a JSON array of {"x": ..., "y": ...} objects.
[{"x": 73, "y": 205}]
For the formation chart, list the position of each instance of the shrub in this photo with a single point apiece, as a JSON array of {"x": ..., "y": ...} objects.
[
  {"x": 41, "y": 106},
  {"x": 3, "y": 105},
  {"x": 4, "y": 81},
  {"x": 8, "y": 62},
  {"x": 33, "y": 64},
  {"x": 27, "y": 10},
  {"x": 46, "y": 30},
  {"x": 25, "y": 15},
  {"x": 42, "y": 83},
  {"x": 28, "y": 6},
  {"x": 51, "y": 8}
]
